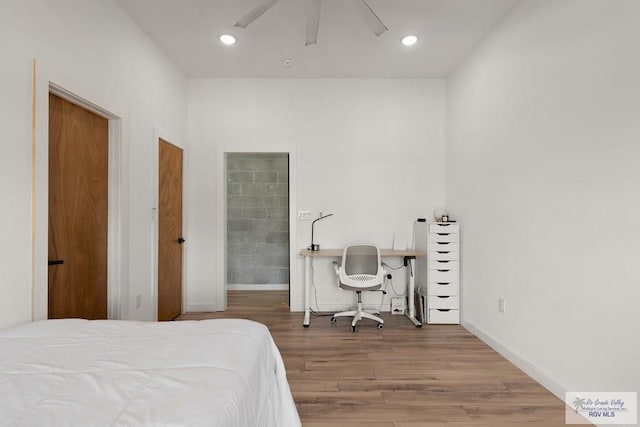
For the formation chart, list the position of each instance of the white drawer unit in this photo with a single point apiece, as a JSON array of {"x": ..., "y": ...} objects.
[
  {"x": 434, "y": 264},
  {"x": 443, "y": 316},
  {"x": 442, "y": 256},
  {"x": 443, "y": 302},
  {"x": 443, "y": 246},
  {"x": 443, "y": 238},
  {"x": 443, "y": 273},
  {"x": 444, "y": 227},
  {"x": 442, "y": 289},
  {"x": 442, "y": 276}
]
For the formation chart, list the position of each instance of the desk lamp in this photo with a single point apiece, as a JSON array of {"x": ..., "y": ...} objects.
[{"x": 313, "y": 246}]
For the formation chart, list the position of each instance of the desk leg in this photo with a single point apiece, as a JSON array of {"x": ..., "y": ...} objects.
[
  {"x": 307, "y": 281},
  {"x": 411, "y": 312}
]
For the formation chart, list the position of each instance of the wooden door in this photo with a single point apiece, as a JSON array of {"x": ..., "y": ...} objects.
[
  {"x": 169, "y": 231},
  {"x": 78, "y": 211}
]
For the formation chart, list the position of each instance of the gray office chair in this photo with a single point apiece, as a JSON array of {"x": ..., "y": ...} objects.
[{"x": 361, "y": 270}]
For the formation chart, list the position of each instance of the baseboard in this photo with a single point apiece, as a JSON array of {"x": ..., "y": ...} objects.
[
  {"x": 265, "y": 287},
  {"x": 201, "y": 308},
  {"x": 542, "y": 377}
]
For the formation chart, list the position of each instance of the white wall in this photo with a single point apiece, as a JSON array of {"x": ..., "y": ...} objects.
[
  {"x": 91, "y": 48},
  {"x": 542, "y": 171},
  {"x": 369, "y": 151}
]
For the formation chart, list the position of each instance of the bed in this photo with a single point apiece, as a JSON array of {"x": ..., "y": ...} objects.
[{"x": 225, "y": 372}]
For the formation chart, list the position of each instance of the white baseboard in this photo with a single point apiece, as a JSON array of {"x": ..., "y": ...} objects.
[
  {"x": 265, "y": 287},
  {"x": 201, "y": 308},
  {"x": 542, "y": 377}
]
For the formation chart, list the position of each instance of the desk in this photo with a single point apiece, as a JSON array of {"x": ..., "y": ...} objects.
[{"x": 409, "y": 257}]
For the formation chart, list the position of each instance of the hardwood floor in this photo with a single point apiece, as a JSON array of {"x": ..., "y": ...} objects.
[{"x": 399, "y": 376}]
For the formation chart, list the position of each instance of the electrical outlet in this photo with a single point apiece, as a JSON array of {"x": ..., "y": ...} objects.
[
  {"x": 138, "y": 301},
  {"x": 304, "y": 215},
  {"x": 501, "y": 305}
]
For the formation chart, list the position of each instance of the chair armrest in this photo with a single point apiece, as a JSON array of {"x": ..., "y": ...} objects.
[
  {"x": 385, "y": 272},
  {"x": 336, "y": 267}
]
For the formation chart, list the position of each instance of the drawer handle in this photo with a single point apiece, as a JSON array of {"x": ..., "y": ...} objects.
[
  {"x": 443, "y": 234},
  {"x": 441, "y": 296},
  {"x": 443, "y": 243},
  {"x": 444, "y": 309},
  {"x": 443, "y": 271},
  {"x": 443, "y": 225},
  {"x": 443, "y": 261},
  {"x": 443, "y": 252},
  {"x": 443, "y": 283}
]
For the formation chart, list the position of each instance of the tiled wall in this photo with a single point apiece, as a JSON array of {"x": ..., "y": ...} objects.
[{"x": 257, "y": 218}]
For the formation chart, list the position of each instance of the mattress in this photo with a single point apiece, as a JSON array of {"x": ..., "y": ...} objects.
[{"x": 225, "y": 372}]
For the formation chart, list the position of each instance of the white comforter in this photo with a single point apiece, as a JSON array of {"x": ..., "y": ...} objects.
[{"x": 73, "y": 372}]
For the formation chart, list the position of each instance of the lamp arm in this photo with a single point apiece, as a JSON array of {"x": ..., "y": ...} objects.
[{"x": 314, "y": 223}]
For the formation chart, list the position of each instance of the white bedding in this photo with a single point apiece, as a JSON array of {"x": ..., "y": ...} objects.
[{"x": 225, "y": 372}]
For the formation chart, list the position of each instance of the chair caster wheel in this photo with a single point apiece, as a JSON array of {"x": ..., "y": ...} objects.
[
  {"x": 354, "y": 329},
  {"x": 380, "y": 325},
  {"x": 334, "y": 320}
]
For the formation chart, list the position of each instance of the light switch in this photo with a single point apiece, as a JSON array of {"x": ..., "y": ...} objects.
[{"x": 304, "y": 215}]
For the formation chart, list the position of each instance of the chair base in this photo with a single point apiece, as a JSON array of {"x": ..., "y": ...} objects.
[{"x": 358, "y": 314}]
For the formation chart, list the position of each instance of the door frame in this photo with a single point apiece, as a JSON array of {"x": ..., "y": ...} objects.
[
  {"x": 155, "y": 184},
  {"x": 44, "y": 85},
  {"x": 221, "y": 175}
]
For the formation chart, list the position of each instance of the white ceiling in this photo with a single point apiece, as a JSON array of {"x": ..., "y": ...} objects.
[{"x": 188, "y": 31}]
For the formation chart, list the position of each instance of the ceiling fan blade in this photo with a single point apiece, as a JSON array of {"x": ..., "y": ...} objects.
[
  {"x": 369, "y": 17},
  {"x": 255, "y": 13},
  {"x": 313, "y": 22}
]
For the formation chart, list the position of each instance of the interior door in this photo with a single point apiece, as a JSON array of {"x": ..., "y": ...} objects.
[
  {"x": 170, "y": 239},
  {"x": 78, "y": 211}
]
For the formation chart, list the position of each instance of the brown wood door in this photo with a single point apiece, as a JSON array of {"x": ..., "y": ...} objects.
[
  {"x": 169, "y": 232},
  {"x": 78, "y": 211}
]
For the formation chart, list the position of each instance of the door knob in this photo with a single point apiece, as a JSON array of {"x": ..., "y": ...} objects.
[{"x": 181, "y": 240}]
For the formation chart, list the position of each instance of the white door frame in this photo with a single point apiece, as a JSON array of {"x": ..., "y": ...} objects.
[
  {"x": 221, "y": 171},
  {"x": 115, "y": 271}
]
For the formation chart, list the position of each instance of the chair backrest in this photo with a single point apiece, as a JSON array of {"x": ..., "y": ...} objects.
[
  {"x": 361, "y": 268},
  {"x": 361, "y": 259}
]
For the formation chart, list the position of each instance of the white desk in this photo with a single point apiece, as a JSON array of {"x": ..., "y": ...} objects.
[{"x": 409, "y": 257}]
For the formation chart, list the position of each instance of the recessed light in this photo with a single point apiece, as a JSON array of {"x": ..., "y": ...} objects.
[
  {"x": 287, "y": 62},
  {"x": 409, "y": 40},
  {"x": 227, "y": 39}
]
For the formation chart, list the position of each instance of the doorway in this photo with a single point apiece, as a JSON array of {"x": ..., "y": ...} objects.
[
  {"x": 257, "y": 221},
  {"x": 78, "y": 211},
  {"x": 170, "y": 239}
]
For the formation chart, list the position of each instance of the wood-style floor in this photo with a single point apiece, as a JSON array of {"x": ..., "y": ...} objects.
[{"x": 399, "y": 376}]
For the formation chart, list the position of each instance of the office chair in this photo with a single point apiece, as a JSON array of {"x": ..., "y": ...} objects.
[{"x": 361, "y": 270}]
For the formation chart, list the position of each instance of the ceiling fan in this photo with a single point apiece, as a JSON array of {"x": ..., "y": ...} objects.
[{"x": 313, "y": 19}]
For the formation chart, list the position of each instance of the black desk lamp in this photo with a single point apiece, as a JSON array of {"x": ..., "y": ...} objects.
[{"x": 315, "y": 247}]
